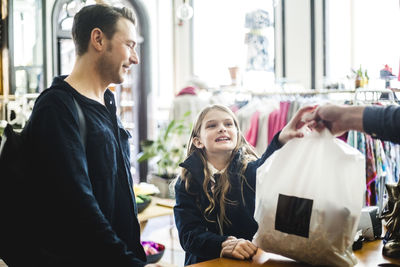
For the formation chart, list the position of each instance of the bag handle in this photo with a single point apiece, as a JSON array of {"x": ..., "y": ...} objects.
[{"x": 82, "y": 123}]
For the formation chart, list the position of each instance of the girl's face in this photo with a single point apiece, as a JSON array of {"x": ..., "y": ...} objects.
[{"x": 218, "y": 133}]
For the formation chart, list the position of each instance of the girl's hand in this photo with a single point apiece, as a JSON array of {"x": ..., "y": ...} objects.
[
  {"x": 238, "y": 248},
  {"x": 292, "y": 129}
]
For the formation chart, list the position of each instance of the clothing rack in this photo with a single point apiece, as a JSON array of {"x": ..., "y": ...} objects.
[
  {"x": 366, "y": 93},
  {"x": 370, "y": 96},
  {"x": 282, "y": 92},
  {"x": 374, "y": 96},
  {"x": 357, "y": 97},
  {"x": 309, "y": 92}
]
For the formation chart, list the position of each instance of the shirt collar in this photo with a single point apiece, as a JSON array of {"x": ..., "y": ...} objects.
[{"x": 214, "y": 171}]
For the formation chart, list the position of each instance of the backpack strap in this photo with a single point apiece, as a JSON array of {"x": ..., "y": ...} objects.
[{"x": 82, "y": 123}]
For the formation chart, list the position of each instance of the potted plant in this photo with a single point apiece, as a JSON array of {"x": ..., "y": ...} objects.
[{"x": 168, "y": 150}]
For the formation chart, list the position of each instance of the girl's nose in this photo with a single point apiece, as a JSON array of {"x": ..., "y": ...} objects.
[{"x": 222, "y": 129}]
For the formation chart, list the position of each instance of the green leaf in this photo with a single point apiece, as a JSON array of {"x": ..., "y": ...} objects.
[
  {"x": 169, "y": 154},
  {"x": 146, "y": 143},
  {"x": 145, "y": 156}
]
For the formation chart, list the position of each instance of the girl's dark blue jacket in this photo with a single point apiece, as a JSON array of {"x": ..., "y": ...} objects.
[{"x": 200, "y": 238}]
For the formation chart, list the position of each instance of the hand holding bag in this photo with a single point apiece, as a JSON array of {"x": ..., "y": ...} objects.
[{"x": 309, "y": 196}]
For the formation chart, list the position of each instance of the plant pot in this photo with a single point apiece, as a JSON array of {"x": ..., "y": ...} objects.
[{"x": 165, "y": 185}]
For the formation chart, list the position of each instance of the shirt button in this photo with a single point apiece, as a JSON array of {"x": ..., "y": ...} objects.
[{"x": 110, "y": 102}]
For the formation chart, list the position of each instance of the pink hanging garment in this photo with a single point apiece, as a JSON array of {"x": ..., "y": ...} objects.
[
  {"x": 190, "y": 90},
  {"x": 252, "y": 133},
  {"x": 273, "y": 117},
  {"x": 277, "y": 120},
  {"x": 284, "y": 111}
]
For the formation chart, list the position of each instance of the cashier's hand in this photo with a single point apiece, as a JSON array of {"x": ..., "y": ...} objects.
[
  {"x": 294, "y": 126},
  {"x": 238, "y": 248},
  {"x": 337, "y": 118}
]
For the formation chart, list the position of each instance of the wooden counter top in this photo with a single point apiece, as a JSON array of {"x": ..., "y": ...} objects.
[{"x": 370, "y": 255}]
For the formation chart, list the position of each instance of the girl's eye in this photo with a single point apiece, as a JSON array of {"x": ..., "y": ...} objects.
[
  {"x": 229, "y": 124},
  {"x": 211, "y": 126}
]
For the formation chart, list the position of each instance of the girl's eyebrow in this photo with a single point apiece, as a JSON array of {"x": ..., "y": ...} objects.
[{"x": 212, "y": 121}]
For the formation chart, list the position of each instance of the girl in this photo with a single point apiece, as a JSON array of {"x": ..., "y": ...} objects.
[{"x": 215, "y": 195}]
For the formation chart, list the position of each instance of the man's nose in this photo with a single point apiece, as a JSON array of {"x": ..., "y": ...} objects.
[{"x": 134, "y": 58}]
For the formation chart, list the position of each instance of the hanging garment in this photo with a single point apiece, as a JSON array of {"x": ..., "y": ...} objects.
[
  {"x": 257, "y": 19},
  {"x": 251, "y": 135},
  {"x": 370, "y": 172},
  {"x": 187, "y": 102},
  {"x": 258, "y": 58},
  {"x": 262, "y": 140},
  {"x": 277, "y": 120},
  {"x": 190, "y": 90}
]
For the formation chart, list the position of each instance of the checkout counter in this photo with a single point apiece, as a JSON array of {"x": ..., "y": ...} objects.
[{"x": 369, "y": 256}]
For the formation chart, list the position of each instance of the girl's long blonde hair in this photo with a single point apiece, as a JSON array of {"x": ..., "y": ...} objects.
[{"x": 222, "y": 185}]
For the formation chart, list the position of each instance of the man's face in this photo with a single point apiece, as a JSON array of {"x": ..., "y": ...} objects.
[{"x": 120, "y": 53}]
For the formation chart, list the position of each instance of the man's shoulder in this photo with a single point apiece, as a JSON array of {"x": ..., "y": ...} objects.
[
  {"x": 53, "y": 94},
  {"x": 54, "y": 100},
  {"x": 58, "y": 88}
]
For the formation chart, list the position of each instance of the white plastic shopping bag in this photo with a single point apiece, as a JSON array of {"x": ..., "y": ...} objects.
[{"x": 309, "y": 196}]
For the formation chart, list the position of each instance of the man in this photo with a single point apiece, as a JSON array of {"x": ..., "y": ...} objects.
[
  {"x": 83, "y": 203},
  {"x": 380, "y": 122}
]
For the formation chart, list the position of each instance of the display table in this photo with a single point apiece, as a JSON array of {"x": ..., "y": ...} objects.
[{"x": 369, "y": 255}]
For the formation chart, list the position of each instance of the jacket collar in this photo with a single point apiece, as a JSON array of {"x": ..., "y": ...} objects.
[
  {"x": 195, "y": 166},
  {"x": 58, "y": 82}
]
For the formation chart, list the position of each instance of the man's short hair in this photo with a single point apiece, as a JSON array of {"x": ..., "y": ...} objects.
[{"x": 99, "y": 16}]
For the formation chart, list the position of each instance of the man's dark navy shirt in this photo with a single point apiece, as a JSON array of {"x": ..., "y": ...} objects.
[
  {"x": 83, "y": 196},
  {"x": 382, "y": 122}
]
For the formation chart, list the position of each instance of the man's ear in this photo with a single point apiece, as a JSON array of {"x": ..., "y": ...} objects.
[
  {"x": 97, "y": 39},
  {"x": 197, "y": 143}
]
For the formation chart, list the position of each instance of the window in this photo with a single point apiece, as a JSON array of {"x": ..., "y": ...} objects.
[
  {"x": 26, "y": 47},
  {"x": 62, "y": 21},
  {"x": 362, "y": 33},
  {"x": 229, "y": 35}
]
